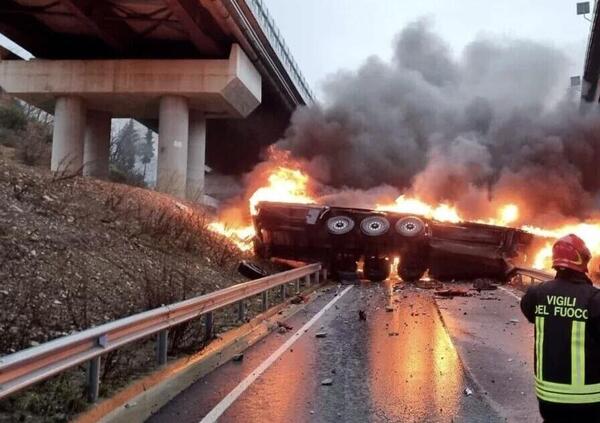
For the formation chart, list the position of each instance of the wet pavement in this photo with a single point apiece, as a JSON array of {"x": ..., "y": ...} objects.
[
  {"x": 395, "y": 366},
  {"x": 495, "y": 343}
]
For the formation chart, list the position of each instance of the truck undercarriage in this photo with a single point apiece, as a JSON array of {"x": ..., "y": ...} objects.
[{"x": 342, "y": 237}]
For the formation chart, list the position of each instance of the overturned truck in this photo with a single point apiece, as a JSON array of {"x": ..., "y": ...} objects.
[{"x": 341, "y": 237}]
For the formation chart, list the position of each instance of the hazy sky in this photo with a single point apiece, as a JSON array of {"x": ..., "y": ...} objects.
[{"x": 326, "y": 35}]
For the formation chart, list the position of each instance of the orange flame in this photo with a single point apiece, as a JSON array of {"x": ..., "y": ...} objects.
[
  {"x": 403, "y": 204},
  {"x": 285, "y": 186}
]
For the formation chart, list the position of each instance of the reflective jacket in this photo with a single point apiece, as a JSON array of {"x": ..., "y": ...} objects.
[{"x": 566, "y": 313}]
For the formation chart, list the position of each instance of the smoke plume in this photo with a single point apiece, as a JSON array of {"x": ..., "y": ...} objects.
[{"x": 492, "y": 125}]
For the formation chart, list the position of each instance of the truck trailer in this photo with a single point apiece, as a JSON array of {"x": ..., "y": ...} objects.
[{"x": 341, "y": 237}]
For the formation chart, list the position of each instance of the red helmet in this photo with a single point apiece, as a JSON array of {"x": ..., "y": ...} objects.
[{"x": 570, "y": 252}]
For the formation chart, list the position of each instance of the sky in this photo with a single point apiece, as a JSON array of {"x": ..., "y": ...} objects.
[{"x": 328, "y": 35}]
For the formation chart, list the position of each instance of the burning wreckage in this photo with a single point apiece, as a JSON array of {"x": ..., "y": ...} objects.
[{"x": 340, "y": 237}]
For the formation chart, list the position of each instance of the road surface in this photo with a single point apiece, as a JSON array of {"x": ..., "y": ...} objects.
[{"x": 397, "y": 366}]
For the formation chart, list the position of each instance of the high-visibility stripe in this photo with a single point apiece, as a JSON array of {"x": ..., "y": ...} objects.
[
  {"x": 539, "y": 345},
  {"x": 566, "y": 388},
  {"x": 567, "y": 398},
  {"x": 577, "y": 353}
]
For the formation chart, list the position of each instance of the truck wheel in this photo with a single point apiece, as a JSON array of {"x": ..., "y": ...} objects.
[
  {"x": 374, "y": 225},
  {"x": 410, "y": 273},
  {"x": 410, "y": 226},
  {"x": 340, "y": 225},
  {"x": 344, "y": 268},
  {"x": 376, "y": 269}
]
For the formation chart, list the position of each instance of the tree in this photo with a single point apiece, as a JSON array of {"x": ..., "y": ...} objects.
[
  {"x": 124, "y": 148},
  {"x": 147, "y": 150}
]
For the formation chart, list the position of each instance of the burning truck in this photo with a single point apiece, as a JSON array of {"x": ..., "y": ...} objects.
[{"x": 341, "y": 237}]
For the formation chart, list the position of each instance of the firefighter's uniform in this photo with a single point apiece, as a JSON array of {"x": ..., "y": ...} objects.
[{"x": 566, "y": 314}]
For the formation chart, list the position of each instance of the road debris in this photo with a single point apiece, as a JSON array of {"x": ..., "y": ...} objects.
[
  {"x": 327, "y": 382},
  {"x": 299, "y": 299},
  {"x": 468, "y": 392},
  {"x": 283, "y": 327},
  {"x": 389, "y": 308},
  {"x": 452, "y": 292},
  {"x": 238, "y": 357},
  {"x": 321, "y": 335},
  {"x": 362, "y": 315},
  {"x": 513, "y": 321},
  {"x": 483, "y": 284}
]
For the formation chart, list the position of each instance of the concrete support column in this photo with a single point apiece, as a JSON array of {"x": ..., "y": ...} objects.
[
  {"x": 67, "y": 139},
  {"x": 173, "y": 127},
  {"x": 96, "y": 147},
  {"x": 196, "y": 157}
]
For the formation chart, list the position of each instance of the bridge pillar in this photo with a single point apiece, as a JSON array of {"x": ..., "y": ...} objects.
[
  {"x": 196, "y": 163},
  {"x": 173, "y": 129},
  {"x": 67, "y": 139},
  {"x": 96, "y": 147}
]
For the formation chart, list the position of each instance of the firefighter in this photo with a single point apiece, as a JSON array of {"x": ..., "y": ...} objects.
[{"x": 566, "y": 314}]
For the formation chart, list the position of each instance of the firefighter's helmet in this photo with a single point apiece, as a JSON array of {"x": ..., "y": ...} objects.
[{"x": 571, "y": 252}]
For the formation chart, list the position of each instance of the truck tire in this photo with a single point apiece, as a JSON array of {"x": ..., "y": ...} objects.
[
  {"x": 410, "y": 226},
  {"x": 374, "y": 225},
  {"x": 410, "y": 273},
  {"x": 344, "y": 268},
  {"x": 340, "y": 225},
  {"x": 376, "y": 269}
]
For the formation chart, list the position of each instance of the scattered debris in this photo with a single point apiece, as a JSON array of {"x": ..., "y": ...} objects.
[
  {"x": 513, "y": 321},
  {"x": 389, "y": 308},
  {"x": 299, "y": 299},
  {"x": 238, "y": 357},
  {"x": 483, "y": 284},
  {"x": 468, "y": 392},
  {"x": 362, "y": 315},
  {"x": 283, "y": 327},
  {"x": 327, "y": 382},
  {"x": 429, "y": 284},
  {"x": 394, "y": 334},
  {"x": 321, "y": 335},
  {"x": 251, "y": 270},
  {"x": 452, "y": 292}
]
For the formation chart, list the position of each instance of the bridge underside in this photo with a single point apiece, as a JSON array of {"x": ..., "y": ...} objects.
[{"x": 159, "y": 29}]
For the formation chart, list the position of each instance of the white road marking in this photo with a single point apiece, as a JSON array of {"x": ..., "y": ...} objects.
[
  {"x": 509, "y": 292},
  {"x": 226, "y": 402}
]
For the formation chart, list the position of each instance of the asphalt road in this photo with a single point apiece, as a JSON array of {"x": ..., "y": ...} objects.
[{"x": 397, "y": 366}]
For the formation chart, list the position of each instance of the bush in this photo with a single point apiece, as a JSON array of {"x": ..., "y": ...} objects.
[
  {"x": 35, "y": 146},
  {"x": 12, "y": 117}
]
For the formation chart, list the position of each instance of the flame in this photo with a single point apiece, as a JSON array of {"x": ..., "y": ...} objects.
[
  {"x": 283, "y": 179},
  {"x": 589, "y": 232},
  {"x": 403, "y": 204},
  {"x": 285, "y": 185},
  {"x": 240, "y": 236}
]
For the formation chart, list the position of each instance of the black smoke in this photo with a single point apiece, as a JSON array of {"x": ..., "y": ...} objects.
[{"x": 495, "y": 124}]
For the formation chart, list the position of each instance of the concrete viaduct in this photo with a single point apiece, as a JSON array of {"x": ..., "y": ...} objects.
[{"x": 214, "y": 77}]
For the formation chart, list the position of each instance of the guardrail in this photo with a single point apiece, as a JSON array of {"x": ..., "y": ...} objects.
[
  {"x": 27, "y": 367},
  {"x": 533, "y": 274},
  {"x": 272, "y": 32}
]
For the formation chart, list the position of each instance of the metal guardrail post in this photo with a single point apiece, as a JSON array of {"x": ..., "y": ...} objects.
[
  {"x": 209, "y": 321},
  {"x": 297, "y": 286},
  {"x": 282, "y": 289},
  {"x": 162, "y": 341},
  {"x": 307, "y": 280},
  {"x": 317, "y": 277},
  {"x": 324, "y": 275},
  {"x": 241, "y": 311},
  {"x": 265, "y": 300},
  {"x": 93, "y": 379}
]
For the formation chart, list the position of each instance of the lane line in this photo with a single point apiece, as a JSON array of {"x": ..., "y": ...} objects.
[
  {"x": 509, "y": 292},
  {"x": 226, "y": 402}
]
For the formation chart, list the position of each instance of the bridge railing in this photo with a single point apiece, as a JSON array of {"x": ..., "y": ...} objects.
[
  {"x": 25, "y": 368},
  {"x": 277, "y": 42},
  {"x": 534, "y": 275}
]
